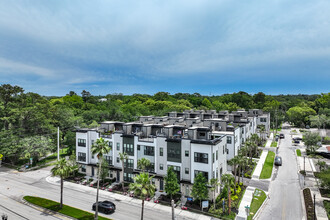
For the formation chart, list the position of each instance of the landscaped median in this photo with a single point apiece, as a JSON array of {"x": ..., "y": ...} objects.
[
  {"x": 259, "y": 197},
  {"x": 274, "y": 144},
  {"x": 268, "y": 166},
  {"x": 66, "y": 210}
]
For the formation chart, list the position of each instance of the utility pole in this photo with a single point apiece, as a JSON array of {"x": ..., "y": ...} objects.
[
  {"x": 172, "y": 204},
  {"x": 314, "y": 208},
  {"x": 58, "y": 143}
]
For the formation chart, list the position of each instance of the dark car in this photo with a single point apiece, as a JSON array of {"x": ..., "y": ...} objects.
[
  {"x": 281, "y": 136},
  {"x": 105, "y": 206},
  {"x": 278, "y": 161},
  {"x": 296, "y": 141}
]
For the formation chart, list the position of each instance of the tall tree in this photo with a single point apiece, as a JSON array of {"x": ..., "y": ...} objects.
[
  {"x": 123, "y": 157},
  {"x": 143, "y": 164},
  {"x": 234, "y": 162},
  {"x": 172, "y": 186},
  {"x": 311, "y": 139},
  {"x": 8, "y": 94},
  {"x": 61, "y": 169},
  {"x": 143, "y": 188},
  {"x": 100, "y": 148},
  {"x": 199, "y": 189},
  {"x": 214, "y": 183},
  {"x": 228, "y": 181},
  {"x": 85, "y": 95}
]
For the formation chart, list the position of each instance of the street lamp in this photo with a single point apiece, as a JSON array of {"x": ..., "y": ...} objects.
[{"x": 314, "y": 208}]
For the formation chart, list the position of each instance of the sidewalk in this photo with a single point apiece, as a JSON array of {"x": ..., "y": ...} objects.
[
  {"x": 311, "y": 182},
  {"x": 258, "y": 169},
  {"x": 248, "y": 195},
  {"x": 246, "y": 201},
  {"x": 129, "y": 200}
]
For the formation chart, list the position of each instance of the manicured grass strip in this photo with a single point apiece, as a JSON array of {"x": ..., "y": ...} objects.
[
  {"x": 298, "y": 152},
  {"x": 259, "y": 197},
  {"x": 327, "y": 207},
  {"x": 274, "y": 144},
  {"x": 66, "y": 210},
  {"x": 268, "y": 166}
]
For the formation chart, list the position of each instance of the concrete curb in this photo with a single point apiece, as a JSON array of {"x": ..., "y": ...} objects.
[
  {"x": 262, "y": 206},
  {"x": 42, "y": 209},
  {"x": 129, "y": 200}
]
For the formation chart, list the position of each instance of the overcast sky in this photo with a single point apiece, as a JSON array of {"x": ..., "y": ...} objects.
[{"x": 211, "y": 47}]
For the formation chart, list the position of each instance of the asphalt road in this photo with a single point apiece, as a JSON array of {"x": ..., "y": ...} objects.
[
  {"x": 13, "y": 186},
  {"x": 285, "y": 198}
]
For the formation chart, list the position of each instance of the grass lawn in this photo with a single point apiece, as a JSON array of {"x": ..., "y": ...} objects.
[
  {"x": 50, "y": 158},
  {"x": 298, "y": 152},
  {"x": 259, "y": 197},
  {"x": 327, "y": 207},
  {"x": 274, "y": 144},
  {"x": 66, "y": 210},
  {"x": 268, "y": 166}
]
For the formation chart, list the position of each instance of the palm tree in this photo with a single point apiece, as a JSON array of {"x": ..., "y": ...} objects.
[
  {"x": 123, "y": 157},
  {"x": 143, "y": 164},
  {"x": 233, "y": 162},
  {"x": 239, "y": 163},
  {"x": 245, "y": 162},
  {"x": 228, "y": 180},
  {"x": 143, "y": 188},
  {"x": 62, "y": 170},
  {"x": 100, "y": 148},
  {"x": 214, "y": 183}
]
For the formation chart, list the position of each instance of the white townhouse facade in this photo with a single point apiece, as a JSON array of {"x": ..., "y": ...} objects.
[{"x": 191, "y": 142}]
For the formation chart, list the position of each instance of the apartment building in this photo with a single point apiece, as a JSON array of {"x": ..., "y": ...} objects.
[{"x": 191, "y": 141}]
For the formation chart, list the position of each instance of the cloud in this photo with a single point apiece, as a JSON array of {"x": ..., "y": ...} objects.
[{"x": 115, "y": 44}]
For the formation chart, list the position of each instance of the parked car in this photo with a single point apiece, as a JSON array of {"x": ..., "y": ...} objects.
[
  {"x": 106, "y": 207},
  {"x": 296, "y": 141},
  {"x": 278, "y": 161},
  {"x": 281, "y": 136}
]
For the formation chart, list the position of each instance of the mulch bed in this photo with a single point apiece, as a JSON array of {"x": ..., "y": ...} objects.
[{"x": 308, "y": 204}]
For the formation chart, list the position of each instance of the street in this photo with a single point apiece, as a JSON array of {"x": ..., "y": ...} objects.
[
  {"x": 285, "y": 196},
  {"x": 15, "y": 185}
]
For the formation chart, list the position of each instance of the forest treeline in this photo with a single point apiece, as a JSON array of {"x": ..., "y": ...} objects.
[{"x": 29, "y": 121}]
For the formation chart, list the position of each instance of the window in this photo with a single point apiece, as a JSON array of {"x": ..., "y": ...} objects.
[
  {"x": 108, "y": 159},
  {"x": 186, "y": 170},
  {"x": 161, "y": 151},
  {"x": 93, "y": 142},
  {"x": 118, "y": 146},
  {"x": 129, "y": 163},
  {"x": 201, "y": 158},
  {"x": 161, "y": 167},
  {"x": 83, "y": 168},
  {"x": 81, "y": 157},
  {"x": 110, "y": 144},
  {"x": 186, "y": 153},
  {"x": 118, "y": 160},
  {"x": 205, "y": 174},
  {"x": 216, "y": 155},
  {"x": 223, "y": 149},
  {"x": 92, "y": 156},
  {"x": 213, "y": 158},
  {"x": 129, "y": 149},
  {"x": 138, "y": 147},
  {"x": 229, "y": 139},
  {"x": 128, "y": 177},
  {"x": 263, "y": 119},
  {"x": 149, "y": 150},
  {"x": 81, "y": 142},
  {"x": 235, "y": 139}
]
